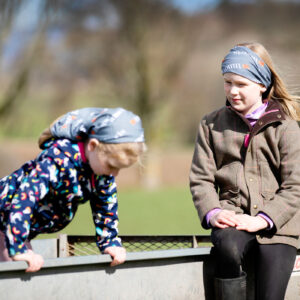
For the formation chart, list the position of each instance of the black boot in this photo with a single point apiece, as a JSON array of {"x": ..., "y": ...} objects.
[{"x": 231, "y": 288}]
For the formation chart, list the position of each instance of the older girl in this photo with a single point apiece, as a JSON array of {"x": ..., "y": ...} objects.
[{"x": 245, "y": 175}]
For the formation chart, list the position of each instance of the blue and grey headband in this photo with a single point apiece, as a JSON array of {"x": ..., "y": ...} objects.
[
  {"x": 244, "y": 62},
  {"x": 107, "y": 125}
]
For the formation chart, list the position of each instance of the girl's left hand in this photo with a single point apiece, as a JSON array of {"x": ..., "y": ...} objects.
[
  {"x": 118, "y": 254},
  {"x": 34, "y": 260},
  {"x": 250, "y": 223}
]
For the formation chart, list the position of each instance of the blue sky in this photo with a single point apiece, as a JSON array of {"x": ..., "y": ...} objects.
[
  {"x": 190, "y": 6},
  {"x": 29, "y": 12}
]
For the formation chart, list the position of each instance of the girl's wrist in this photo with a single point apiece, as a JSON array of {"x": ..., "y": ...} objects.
[
  {"x": 266, "y": 218},
  {"x": 210, "y": 214},
  {"x": 264, "y": 223}
]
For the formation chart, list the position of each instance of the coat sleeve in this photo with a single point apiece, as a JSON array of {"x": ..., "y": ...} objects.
[
  {"x": 286, "y": 202},
  {"x": 104, "y": 205},
  {"x": 202, "y": 175},
  {"x": 34, "y": 185}
]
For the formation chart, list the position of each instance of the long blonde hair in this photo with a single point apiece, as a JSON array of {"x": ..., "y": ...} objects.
[{"x": 278, "y": 90}]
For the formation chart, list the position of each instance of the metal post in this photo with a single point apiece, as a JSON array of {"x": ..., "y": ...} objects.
[
  {"x": 195, "y": 242},
  {"x": 63, "y": 246}
]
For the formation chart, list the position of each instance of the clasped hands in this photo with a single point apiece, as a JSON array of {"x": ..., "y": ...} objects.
[{"x": 226, "y": 218}]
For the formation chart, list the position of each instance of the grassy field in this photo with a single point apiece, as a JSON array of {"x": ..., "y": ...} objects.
[{"x": 167, "y": 211}]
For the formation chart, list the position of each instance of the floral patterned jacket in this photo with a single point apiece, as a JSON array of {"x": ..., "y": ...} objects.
[{"x": 43, "y": 196}]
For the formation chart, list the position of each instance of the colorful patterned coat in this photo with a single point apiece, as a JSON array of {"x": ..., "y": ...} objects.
[{"x": 43, "y": 196}]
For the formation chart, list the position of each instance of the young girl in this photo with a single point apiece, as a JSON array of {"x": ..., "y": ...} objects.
[
  {"x": 83, "y": 152},
  {"x": 245, "y": 176}
]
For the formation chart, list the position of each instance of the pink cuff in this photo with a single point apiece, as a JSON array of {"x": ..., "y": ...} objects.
[
  {"x": 270, "y": 222},
  {"x": 210, "y": 214}
]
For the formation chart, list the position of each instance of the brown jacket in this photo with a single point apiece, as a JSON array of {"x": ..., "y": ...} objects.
[{"x": 264, "y": 177}]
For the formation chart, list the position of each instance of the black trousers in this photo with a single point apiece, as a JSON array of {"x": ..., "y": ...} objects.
[{"x": 274, "y": 263}]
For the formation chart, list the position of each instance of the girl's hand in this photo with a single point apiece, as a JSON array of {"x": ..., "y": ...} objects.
[
  {"x": 118, "y": 254},
  {"x": 34, "y": 260},
  {"x": 251, "y": 223},
  {"x": 223, "y": 219}
]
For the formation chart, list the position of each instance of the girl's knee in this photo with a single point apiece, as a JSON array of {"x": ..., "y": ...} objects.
[
  {"x": 229, "y": 251},
  {"x": 228, "y": 244}
]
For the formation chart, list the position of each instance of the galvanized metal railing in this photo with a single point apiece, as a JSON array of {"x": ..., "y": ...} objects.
[{"x": 156, "y": 267}]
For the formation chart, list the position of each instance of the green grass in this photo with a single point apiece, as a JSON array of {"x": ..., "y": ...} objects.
[{"x": 166, "y": 211}]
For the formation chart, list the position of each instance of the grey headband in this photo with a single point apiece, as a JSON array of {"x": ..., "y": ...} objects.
[
  {"x": 243, "y": 61},
  {"x": 107, "y": 125}
]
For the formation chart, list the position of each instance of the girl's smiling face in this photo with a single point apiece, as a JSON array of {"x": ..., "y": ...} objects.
[{"x": 243, "y": 94}]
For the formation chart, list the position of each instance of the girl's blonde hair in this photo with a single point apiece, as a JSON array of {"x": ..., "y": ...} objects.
[
  {"x": 277, "y": 91},
  {"x": 122, "y": 152}
]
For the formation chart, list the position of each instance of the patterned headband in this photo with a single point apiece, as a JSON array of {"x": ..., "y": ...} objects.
[
  {"x": 243, "y": 61},
  {"x": 107, "y": 125}
]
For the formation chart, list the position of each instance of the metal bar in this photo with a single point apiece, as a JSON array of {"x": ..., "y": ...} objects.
[{"x": 63, "y": 250}]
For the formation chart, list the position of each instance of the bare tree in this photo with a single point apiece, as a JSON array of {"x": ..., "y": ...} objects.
[{"x": 9, "y": 12}]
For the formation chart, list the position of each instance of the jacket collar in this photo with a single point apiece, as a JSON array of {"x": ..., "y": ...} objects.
[{"x": 273, "y": 113}]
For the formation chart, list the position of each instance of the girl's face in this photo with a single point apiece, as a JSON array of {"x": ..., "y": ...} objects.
[
  {"x": 243, "y": 94},
  {"x": 104, "y": 163}
]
